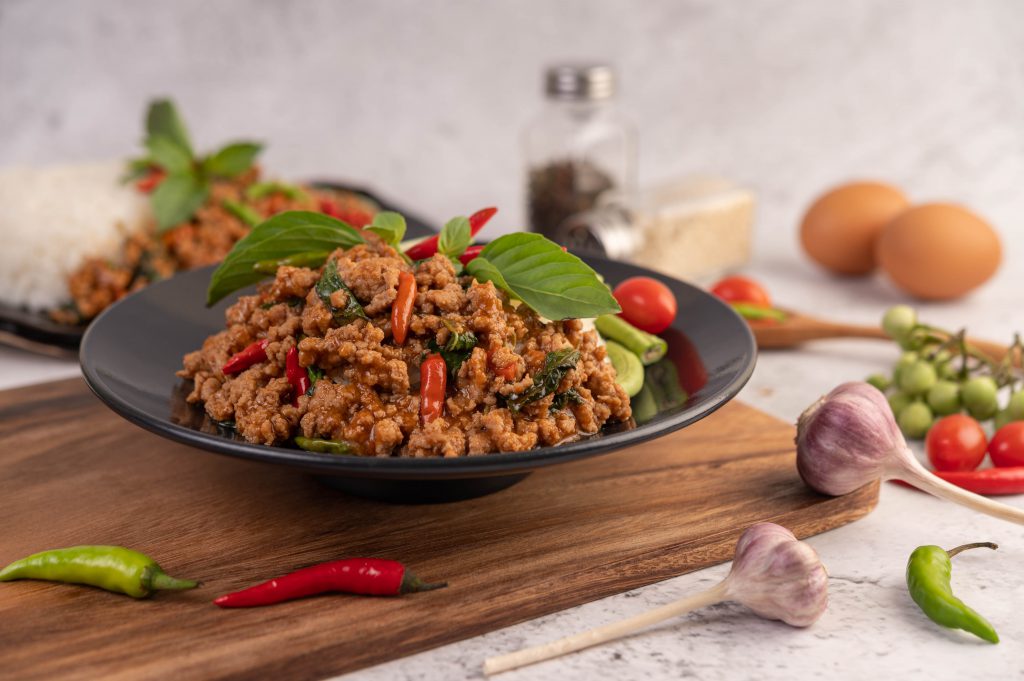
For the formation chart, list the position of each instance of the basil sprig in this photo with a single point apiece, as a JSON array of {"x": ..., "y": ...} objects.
[
  {"x": 556, "y": 284},
  {"x": 455, "y": 238},
  {"x": 280, "y": 237},
  {"x": 389, "y": 226},
  {"x": 187, "y": 184}
]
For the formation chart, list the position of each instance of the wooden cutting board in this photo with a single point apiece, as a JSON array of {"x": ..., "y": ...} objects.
[{"x": 72, "y": 472}]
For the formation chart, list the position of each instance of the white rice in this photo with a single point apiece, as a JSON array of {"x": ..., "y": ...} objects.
[{"x": 52, "y": 218}]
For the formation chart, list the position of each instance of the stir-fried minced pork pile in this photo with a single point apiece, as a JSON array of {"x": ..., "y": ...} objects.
[{"x": 369, "y": 392}]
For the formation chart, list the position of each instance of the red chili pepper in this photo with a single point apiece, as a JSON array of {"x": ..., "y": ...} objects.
[
  {"x": 355, "y": 217},
  {"x": 433, "y": 384},
  {"x": 240, "y": 361},
  {"x": 151, "y": 181},
  {"x": 987, "y": 481},
  {"x": 401, "y": 309},
  {"x": 366, "y": 576},
  {"x": 428, "y": 247},
  {"x": 469, "y": 254},
  {"x": 297, "y": 376}
]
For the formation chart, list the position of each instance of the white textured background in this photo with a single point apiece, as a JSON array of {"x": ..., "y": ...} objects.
[{"x": 424, "y": 101}]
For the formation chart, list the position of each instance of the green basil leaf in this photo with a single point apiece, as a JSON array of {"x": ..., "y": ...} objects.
[
  {"x": 557, "y": 364},
  {"x": 556, "y": 284},
  {"x": 168, "y": 154},
  {"x": 456, "y": 349},
  {"x": 455, "y": 237},
  {"x": 232, "y": 160},
  {"x": 330, "y": 281},
  {"x": 563, "y": 400},
  {"x": 389, "y": 226},
  {"x": 281, "y": 236},
  {"x": 136, "y": 169},
  {"x": 163, "y": 120},
  {"x": 176, "y": 199}
]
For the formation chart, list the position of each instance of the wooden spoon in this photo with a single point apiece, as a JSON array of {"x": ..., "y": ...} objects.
[{"x": 798, "y": 328}]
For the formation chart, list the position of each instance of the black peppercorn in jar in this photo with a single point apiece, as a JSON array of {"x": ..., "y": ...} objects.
[{"x": 578, "y": 150}]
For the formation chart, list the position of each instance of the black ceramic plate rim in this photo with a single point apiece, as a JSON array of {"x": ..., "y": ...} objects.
[{"x": 421, "y": 468}]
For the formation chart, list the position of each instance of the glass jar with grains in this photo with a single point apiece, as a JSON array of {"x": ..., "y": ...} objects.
[{"x": 579, "y": 152}]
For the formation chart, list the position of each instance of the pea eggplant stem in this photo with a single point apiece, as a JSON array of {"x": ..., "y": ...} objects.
[{"x": 608, "y": 632}]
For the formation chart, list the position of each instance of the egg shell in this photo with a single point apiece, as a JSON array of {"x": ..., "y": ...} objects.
[
  {"x": 938, "y": 251},
  {"x": 841, "y": 227}
]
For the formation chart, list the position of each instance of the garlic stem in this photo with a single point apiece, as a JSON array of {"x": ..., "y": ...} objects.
[
  {"x": 608, "y": 632},
  {"x": 905, "y": 466}
]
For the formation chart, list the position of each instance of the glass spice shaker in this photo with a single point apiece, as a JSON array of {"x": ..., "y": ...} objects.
[{"x": 579, "y": 151}]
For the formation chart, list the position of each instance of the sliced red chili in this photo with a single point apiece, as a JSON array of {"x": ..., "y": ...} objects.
[
  {"x": 987, "y": 481},
  {"x": 401, "y": 309},
  {"x": 433, "y": 384},
  {"x": 428, "y": 247},
  {"x": 297, "y": 376},
  {"x": 151, "y": 180},
  {"x": 242, "y": 360},
  {"x": 366, "y": 576}
]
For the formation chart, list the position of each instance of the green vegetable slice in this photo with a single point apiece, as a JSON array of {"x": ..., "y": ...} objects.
[
  {"x": 311, "y": 444},
  {"x": 648, "y": 347},
  {"x": 629, "y": 372},
  {"x": 277, "y": 238},
  {"x": 556, "y": 284}
]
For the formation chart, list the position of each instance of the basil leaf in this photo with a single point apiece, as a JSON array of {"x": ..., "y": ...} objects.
[
  {"x": 556, "y": 284},
  {"x": 455, "y": 238},
  {"x": 557, "y": 364},
  {"x": 168, "y": 154},
  {"x": 176, "y": 199},
  {"x": 389, "y": 226},
  {"x": 232, "y": 160},
  {"x": 330, "y": 281},
  {"x": 137, "y": 168},
  {"x": 281, "y": 236},
  {"x": 315, "y": 373},
  {"x": 562, "y": 400},
  {"x": 456, "y": 349},
  {"x": 163, "y": 120}
]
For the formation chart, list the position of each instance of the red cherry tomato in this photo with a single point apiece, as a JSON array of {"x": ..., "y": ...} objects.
[
  {"x": 956, "y": 443},
  {"x": 646, "y": 303},
  {"x": 1007, "y": 446},
  {"x": 742, "y": 290}
]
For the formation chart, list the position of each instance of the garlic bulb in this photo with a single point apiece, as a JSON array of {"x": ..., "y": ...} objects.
[
  {"x": 773, "y": 573},
  {"x": 849, "y": 438}
]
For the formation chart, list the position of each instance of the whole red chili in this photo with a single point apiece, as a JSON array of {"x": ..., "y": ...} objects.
[
  {"x": 993, "y": 481},
  {"x": 428, "y": 247},
  {"x": 469, "y": 254},
  {"x": 297, "y": 376},
  {"x": 355, "y": 216},
  {"x": 242, "y": 360},
  {"x": 366, "y": 576},
  {"x": 401, "y": 309},
  {"x": 433, "y": 384}
]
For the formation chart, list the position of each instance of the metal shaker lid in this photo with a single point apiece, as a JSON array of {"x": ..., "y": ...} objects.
[{"x": 580, "y": 81}]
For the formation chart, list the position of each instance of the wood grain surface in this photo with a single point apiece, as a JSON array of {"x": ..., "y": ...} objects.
[{"x": 72, "y": 472}]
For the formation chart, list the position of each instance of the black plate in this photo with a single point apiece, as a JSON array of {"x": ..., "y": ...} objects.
[
  {"x": 35, "y": 331},
  {"x": 131, "y": 351}
]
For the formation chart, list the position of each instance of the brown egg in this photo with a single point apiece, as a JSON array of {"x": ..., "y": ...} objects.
[
  {"x": 938, "y": 251},
  {"x": 840, "y": 228}
]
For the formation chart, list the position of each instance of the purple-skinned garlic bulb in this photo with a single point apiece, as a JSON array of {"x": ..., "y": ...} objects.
[
  {"x": 773, "y": 573},
  {"x": 849, "y": 438}
]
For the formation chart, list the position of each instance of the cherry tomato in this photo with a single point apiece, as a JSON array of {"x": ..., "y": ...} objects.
[
  {"x": 742, "y": 290},
  {"x": 956, "y": 443},
  {"x": 646, "y": 303},
  {"x": 1007, "y": 446}
]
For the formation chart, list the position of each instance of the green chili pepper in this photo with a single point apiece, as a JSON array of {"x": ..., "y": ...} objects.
[
  {"x": 928, "y": 575},
  {"x": 648, "y": 347},
  {"x": 113, "y": 568},
  {"x": 310, "y": 259},
  {"x": 312, "y": 444}
]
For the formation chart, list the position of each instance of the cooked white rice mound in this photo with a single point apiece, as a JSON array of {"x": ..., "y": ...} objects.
[{"x": 51, "y": 219}]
